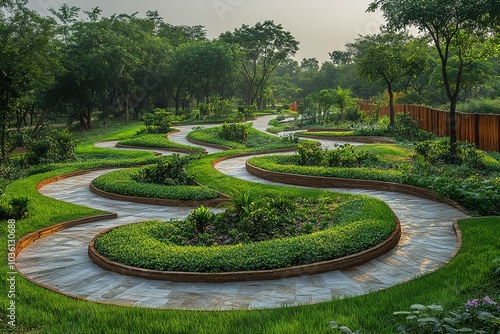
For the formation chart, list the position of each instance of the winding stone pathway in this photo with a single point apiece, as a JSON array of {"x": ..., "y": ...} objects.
[{"x": 60, "y": 261}]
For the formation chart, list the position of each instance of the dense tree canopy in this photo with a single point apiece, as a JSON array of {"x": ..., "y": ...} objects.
[
  {"x": 79, "y": 67},
  {"x": 264, "y": 46},
  {"x": 391, "y": 59},
  {"x": 463, "y": 33}
]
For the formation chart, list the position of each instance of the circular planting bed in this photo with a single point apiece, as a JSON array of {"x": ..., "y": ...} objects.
[{"x": 359, "y": 230}]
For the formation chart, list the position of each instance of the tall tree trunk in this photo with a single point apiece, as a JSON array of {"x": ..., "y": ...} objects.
[
  {"x": 392, "y": 112},
  {"x": 3, "y": 136}
]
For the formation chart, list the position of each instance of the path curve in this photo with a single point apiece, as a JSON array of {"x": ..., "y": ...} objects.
[{"x": 60, "y": 261}]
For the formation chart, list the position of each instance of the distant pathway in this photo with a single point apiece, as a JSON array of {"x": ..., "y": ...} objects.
[{"x": 60, "y": 261}]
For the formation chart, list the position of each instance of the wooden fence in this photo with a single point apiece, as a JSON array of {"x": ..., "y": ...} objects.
[
  {"x": 294, "y": 106},
  {"x": 483, "y": 130}
]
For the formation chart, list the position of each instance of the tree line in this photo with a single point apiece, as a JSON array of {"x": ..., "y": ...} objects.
[{"x": 81, "y": 65}]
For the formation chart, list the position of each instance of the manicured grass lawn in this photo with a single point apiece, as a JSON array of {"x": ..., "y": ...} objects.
[{"x": 469, "y": 275}]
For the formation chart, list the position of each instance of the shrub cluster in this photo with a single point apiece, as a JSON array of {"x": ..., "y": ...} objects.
[
  {"x": 237, "y": 132},
  {"x": 326, "y": 134},
  {"x": 481, "y": 106},
  {"x": 478, "y": 316},
  {"x": 481, "y": 316},
  {"x": 406, "y": 129},
  {"x": 14, "y": 208},
  {"x": 169, "y": 171},
  {"x": 158, "y": 122},
  {"x": 438, "y": 151},
  {"x": 55, "y": 146},
  {"x": 255, "y": 139},
  {"x": 342, "y": 156}
]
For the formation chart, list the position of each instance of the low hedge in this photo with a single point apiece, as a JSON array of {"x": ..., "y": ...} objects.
[
  {"x": 289, "y": 164},
  {"x": 157, "y": 141},
  {"x": 88, "y": 164},
  {"x": 326, "y": 134},
  {"x": 121, "y": 183},
  {"x": 362, "y": 223}
]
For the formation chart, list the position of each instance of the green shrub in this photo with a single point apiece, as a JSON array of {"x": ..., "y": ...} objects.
[
  {"x": 55, "y": 146},
  {"x": 310, "y": 155},
  {"x": 201, "y": 218},
  {"x": 158, "y": 122},
  {"x": 169, "y": 171},
  {"x": 376, "y": 127},
  {"x": 481, "y": 106},
  {"x": 237, "y": 132},
  {"x": 481, "y": 316},
  {"x": 326, "y": 134},
  {"x": 256, "y": 139},
  {"x": 406, "y": 129},
  {"x": 342, "y": 156},
  {"x": 14, "y": 208},
  {"x": 19, "y": 207},
  {"x": 438, "y": 151},
  {"x": 345, "y": 156}
]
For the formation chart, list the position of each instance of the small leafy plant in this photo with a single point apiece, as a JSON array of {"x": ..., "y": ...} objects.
[
  {"x": 14, "y": 208},
  {"x": 479, "y": 316},
  {"x": 201, "y": 217},
  {"x": 342, "y": 329}
]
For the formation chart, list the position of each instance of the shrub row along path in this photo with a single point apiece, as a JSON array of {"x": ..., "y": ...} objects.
[{"x": 60, "y": 262}]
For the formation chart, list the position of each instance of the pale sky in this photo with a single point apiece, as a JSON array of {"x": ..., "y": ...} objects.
[{"x": 321, "y": 26}]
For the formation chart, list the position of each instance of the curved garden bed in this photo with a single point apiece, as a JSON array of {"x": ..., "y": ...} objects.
[
  {"x": 295, "y": 271},
  {"x": 347, "y": 136},
  {"x": 158, "y": 141},
  {"x": 365, "y": 226},
  {"x": 254, "y": 139},
  {"x": 324, "y": 178},
  {"x": 120, "y": 185}
]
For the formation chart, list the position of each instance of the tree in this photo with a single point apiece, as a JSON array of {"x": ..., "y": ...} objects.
[
  {"x": 466, "y": 29},
  {"x": 388, "y": 58},
  {"x": 263, "y": 46},
  {"x": 25, "y": 56},
  {"x": 207, "y": 66},
  {"x": 341, "y": 57}
]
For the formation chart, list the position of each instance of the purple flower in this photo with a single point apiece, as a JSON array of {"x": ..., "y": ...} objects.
[
  {"x": 472, "y": 303},
  {"x": 488, "y": 301}
]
